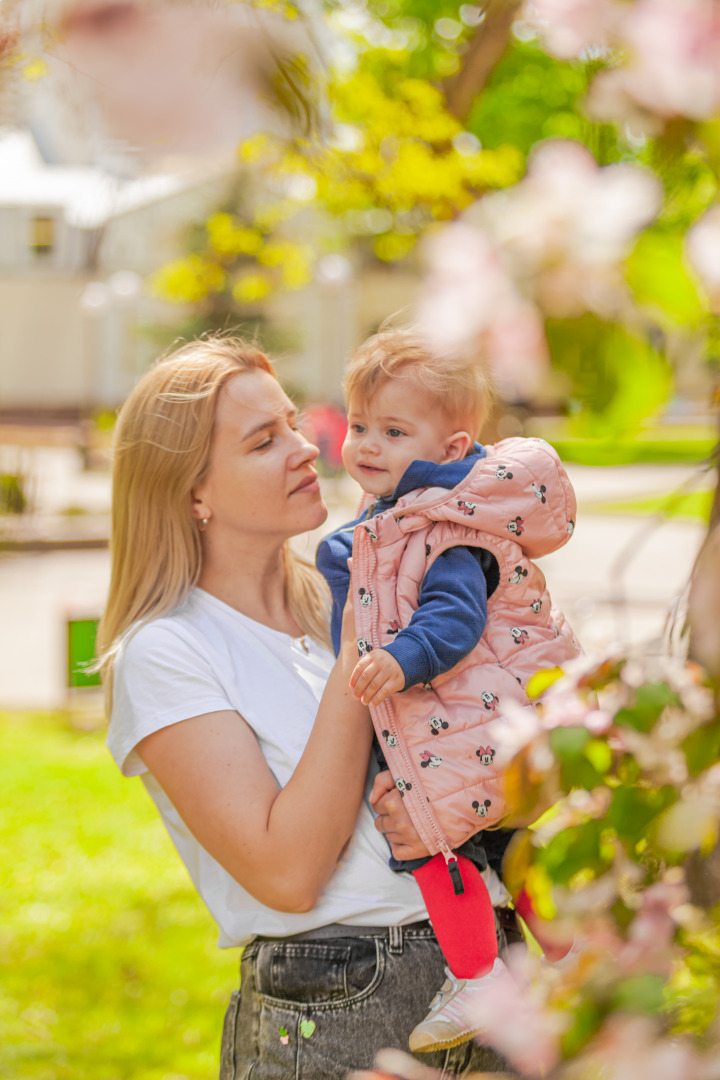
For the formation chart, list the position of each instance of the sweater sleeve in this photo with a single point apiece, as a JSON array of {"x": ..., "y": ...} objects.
[
  {"x": 331, "y": 560},
  {"x": 450, "y": 617}
]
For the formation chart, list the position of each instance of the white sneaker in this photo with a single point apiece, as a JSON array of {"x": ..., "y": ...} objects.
[{"x": 447, "y": 1022}]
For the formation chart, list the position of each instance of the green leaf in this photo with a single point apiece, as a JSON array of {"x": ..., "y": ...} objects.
[
  {"x": 599, "y": 755},
  {"x": 622, "y": 914},
  {"x": 640, "y": 993},
  {"x": 657, "y": 274},
  {"x": 617, "y": 379},
  {"x": 575, "y": 850},
  {"x": 579, "y": 757},
  {"x": 702, "y": 747},
  {"x": 632, "y": 809},
  {"x": 587, "y": 1018},
  {"x": 650, "y": 700},
  {"x": 568, "y": 741}
]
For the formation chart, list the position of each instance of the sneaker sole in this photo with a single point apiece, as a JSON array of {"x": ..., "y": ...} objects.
[{"x": 447, "y": 1044}]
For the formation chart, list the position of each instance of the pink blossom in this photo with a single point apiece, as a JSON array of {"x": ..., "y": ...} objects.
[
  {"x": 519, "y": 728},
  {"x": 630, "y": 1047},
  {"x": 569, "y": 26},
  {"x": 598, "y": 721},
  {"x": 673, "y": 64},
  {"x": 564, "y": 709},
  {"x": 566, "y": 227},
  {"x": 395, "y": 1065},
  {"x": 469, "y": 302},
  {"x": 170, "y": 77},
  {"x": 702, "y": 246},
  {"x": 649, "y": 947},
  {"x": 523, "y": 1031}
]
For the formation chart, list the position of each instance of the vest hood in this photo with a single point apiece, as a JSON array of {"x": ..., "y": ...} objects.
[{"x": 519, "y": 490}]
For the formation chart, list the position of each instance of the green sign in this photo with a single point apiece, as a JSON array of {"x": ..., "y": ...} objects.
[{"x": 81, "y": 652}]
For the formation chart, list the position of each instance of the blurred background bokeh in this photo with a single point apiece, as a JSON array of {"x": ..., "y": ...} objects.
[{"x": 534, "y": 182}]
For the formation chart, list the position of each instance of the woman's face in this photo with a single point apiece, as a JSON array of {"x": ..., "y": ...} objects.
[{"x": 261, "y": 481}]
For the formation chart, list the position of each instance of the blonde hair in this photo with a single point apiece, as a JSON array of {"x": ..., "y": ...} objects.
[
  {"x": 458, "y": 384},
  {"x": 162, "y": 452}
]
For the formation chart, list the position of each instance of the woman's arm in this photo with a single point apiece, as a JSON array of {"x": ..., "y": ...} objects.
[{"x": 280, "y": 844}]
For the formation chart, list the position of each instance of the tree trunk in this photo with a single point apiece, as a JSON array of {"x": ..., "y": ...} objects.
[{"x": 483, "y": 52}]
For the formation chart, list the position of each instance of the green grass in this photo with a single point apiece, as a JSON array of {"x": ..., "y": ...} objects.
[
  {"x": 660, "y": 444},
  {"x": 634, "y": 451},
  {"x": 693, "y": 506},
  {"x": 108, "y": 963}
]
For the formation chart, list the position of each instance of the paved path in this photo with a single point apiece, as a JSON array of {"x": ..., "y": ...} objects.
[{"x": 617, "y": 579}]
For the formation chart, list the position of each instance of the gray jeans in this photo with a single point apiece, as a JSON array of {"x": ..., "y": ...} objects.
[{"x": 316, "y": 1008}]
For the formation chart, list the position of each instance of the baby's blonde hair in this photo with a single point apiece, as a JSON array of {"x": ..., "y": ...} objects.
[
  {"x": 457, "y": 384},
  {"x": 162, "y": 452}
]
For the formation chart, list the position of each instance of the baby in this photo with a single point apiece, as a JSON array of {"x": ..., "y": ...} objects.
[{"x": 423, "y": 599}]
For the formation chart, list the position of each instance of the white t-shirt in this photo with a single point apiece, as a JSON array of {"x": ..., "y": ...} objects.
[{"x": 205, "y": 657}]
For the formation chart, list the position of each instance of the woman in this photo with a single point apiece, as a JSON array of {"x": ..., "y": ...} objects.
[{"x": 226, "y": 700}]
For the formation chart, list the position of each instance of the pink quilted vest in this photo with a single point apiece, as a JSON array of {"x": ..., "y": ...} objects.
[{"x": 438, "y": 740}]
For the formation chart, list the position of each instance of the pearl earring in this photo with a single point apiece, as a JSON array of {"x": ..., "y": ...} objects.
[{"x": 203, "y": 524}]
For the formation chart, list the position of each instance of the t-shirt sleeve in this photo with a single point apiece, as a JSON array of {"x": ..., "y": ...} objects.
[{"x": 160, "y": 678}]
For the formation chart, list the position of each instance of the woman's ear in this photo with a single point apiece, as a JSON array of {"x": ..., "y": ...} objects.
[
  {"x": 200, "y": 510},
  {"x": 456, "y": 447}
]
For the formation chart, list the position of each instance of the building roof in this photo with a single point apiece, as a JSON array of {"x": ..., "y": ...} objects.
[{"x": 88, "y": 195}]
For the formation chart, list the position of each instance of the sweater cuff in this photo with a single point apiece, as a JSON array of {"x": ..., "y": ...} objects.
[{"x": 412, "y": 657}]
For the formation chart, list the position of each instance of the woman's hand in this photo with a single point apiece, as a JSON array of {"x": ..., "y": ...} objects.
[{"x": 393, "y": 820}]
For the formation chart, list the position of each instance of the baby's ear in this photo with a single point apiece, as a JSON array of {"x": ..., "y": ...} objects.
[{"x": 456, "y": 446}]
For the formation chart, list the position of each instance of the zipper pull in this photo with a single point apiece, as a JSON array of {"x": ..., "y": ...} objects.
[{"x": 458, "y": 887}]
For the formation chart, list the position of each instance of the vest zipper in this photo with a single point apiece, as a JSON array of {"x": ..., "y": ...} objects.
[{"x": 361, "y": 577}]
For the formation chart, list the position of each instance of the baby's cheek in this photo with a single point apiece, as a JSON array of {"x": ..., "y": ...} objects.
[{"x": 347, "y": 452}]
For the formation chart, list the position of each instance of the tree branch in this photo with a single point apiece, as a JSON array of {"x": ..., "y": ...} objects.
[{"x": 483, "y": 53}]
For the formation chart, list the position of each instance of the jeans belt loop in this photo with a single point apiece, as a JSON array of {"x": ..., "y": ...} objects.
[{"x": 395, "y": 939}]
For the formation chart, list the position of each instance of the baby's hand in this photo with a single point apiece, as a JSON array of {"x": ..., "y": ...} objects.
[{"x": 377, "y": 675}]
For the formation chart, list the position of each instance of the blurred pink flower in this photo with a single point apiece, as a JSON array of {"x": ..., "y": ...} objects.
[
  {"x": 649, "y": 945},
  {"x": 631, "y": 1048},
  {"x": 165, "y": 76},
  {"x": 672, "y": 66},
  {"x": 521, "y": 1029},
  {"x": 569, "y": 26},
  {"x": 469, "y": 303},
  {"x": 555, "y": 242},
  {"x": 702, "y": 246},
  {"x": 568, "y": 225},
  {"x": 395, "y": 1065}
]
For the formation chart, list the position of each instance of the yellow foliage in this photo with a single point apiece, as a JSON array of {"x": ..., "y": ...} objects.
[
  {"x": 394, "y": 154},
  {"x": 188, "y": 280},
  {"x": 251, "y": 287},
  {"x": 539, "y": 889},
  {"x": 271, "y": 215},
  {"x": 541, "y": 680},
  {"x": 227, "y": 239},
  {"x": 391, "y": 247},
  {"x": 254, "y": 148}
]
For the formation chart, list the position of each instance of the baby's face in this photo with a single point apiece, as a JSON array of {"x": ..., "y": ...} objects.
[{"x": 398, "y": 425}]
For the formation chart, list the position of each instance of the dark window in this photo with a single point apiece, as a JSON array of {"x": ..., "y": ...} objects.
[{"x": 42, "y": 236}]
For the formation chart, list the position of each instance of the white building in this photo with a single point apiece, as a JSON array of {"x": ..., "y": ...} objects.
[{"x": 75, "y": 245}]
